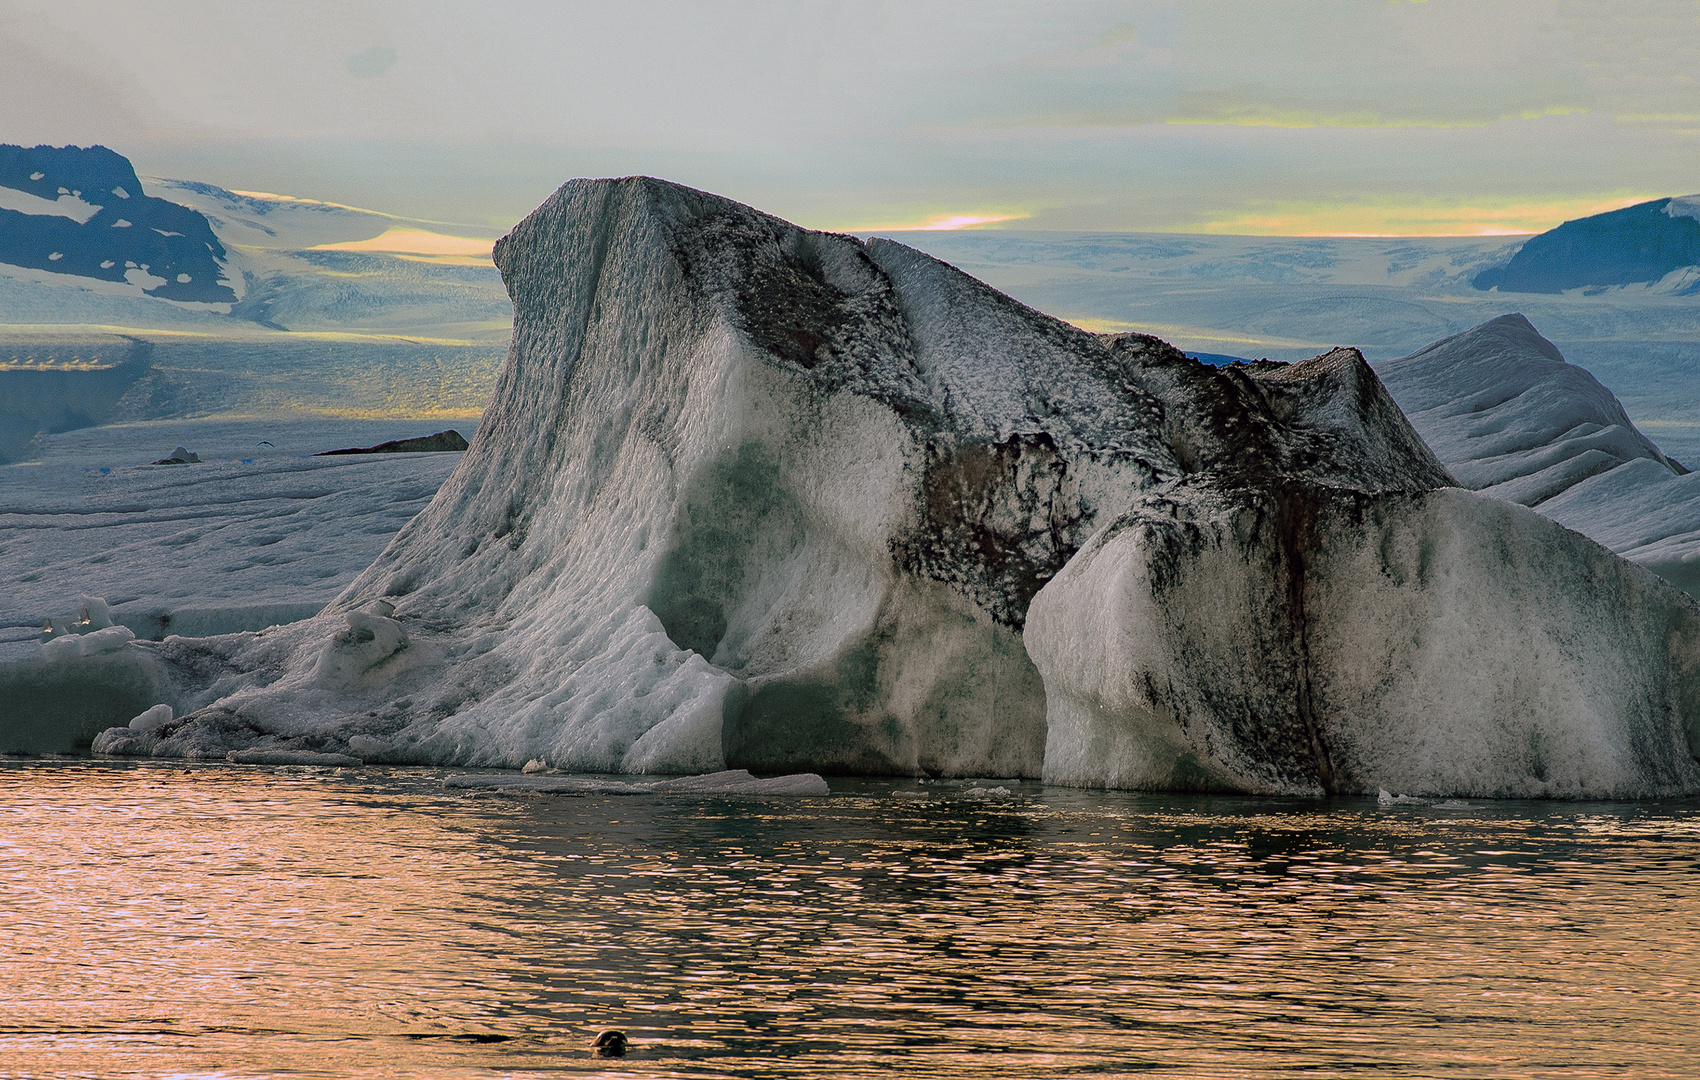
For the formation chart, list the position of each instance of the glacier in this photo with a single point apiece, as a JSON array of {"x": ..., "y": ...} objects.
[{"x": 749, "y": 496}]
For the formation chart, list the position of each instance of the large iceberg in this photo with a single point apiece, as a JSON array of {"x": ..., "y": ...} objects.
[
  {"x": 1510, "y": 418},
  {"x": 751, "y": 496}
]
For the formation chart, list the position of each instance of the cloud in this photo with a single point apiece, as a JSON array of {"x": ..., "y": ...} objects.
[
  {"x": 1085, "y": 114},
  {"x": 53, "y": 82},
  {"x": 371, "y": 63},
  {"x": 1250, "y": 106},
  {"x": 414, "y": 242},
  {"x": 937, "y": 223},
  {"x": 1415, "y": 216}
]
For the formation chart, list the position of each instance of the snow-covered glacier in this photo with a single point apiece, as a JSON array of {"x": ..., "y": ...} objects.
[{"x": 751, "y": 496}]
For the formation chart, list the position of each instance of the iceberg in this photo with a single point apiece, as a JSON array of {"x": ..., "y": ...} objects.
[
  {"x": 1510, "y": 418},
  {"x": 749, "y": 496}
]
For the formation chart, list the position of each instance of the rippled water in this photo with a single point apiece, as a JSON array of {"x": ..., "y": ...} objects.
[{"x": 215, "y": 920}]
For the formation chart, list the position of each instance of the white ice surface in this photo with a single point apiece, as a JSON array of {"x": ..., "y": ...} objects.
[
  {"x": 208, "y": 548},
  {"x": 1505, "y": 412}
]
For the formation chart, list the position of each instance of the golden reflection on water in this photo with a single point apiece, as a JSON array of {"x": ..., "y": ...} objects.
[{"x": 249, "y": 922}]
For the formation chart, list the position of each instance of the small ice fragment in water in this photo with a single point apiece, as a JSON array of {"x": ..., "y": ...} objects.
[
  {"x": 261, "y": 756},
  {"x": 367, "y": 746},
  {"x": 1383, "y": 797},
  {"x": 153, "y": 719},
  {"x": 111, "y": 639}
]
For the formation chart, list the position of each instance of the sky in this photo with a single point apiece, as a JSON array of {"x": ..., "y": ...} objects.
[{"x": 1308, "y": 117}]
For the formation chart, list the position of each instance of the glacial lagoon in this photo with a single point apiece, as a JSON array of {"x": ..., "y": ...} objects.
[{"x": 187, "y": 919}]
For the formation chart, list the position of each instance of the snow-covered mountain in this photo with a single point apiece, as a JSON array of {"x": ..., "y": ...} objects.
[
  {"x": 82, "y": 213},
  {"x": 1499, "y": 405},
  {"x": 318, "y": 308},
  {"x": 1638, "y": 245}
]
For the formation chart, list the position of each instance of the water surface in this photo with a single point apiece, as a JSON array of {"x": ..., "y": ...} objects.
[{"x": 163, "y": 919}]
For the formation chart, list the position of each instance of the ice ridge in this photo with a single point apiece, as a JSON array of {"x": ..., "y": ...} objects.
[{"x": 1511, "y": 419}]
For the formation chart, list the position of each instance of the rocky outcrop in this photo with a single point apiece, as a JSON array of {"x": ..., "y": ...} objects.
[{"x": 749, "y": 496}]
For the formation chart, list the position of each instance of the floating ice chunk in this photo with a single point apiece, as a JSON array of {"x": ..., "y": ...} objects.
[
  {"x": 155, "y": 718},
  {"x": 535, "y": 765},
  {"x": 93, "y": 612},
  {"x": 1383, "y": 797},
  {"x": 1442, "y": 643},
  {"x": 555, "y": 785},
  {"x": 367, "y": 746},
  {"x": 255, "y": 755},
  {"x": 740, "y": 782},
  {"x": 1511, "y": 419},
  {"x": 360, "y": 650},
  {"x": 111, "y": 639},
  {"x": 726, "y": 782},
  {"x": 61, "y": 648}
]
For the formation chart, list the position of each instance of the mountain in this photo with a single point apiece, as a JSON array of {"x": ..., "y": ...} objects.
[
  {"x": 1636, "y": 245},
  {"x": 82, "y": 212},
  {"x": 749, "y": 495},
  {"x": 126, "y": 299},
  {"x": 1501, "y": 407}
]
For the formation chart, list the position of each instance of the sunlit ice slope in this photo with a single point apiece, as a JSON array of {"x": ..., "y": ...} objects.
[{"x": 749, "y": 495}]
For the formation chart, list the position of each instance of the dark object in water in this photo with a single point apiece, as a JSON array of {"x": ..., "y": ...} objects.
[
  {"x": 610, "y": 1044},
  {"x": 179, "y": 456},
  {"x": 450, "y": 440}
]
